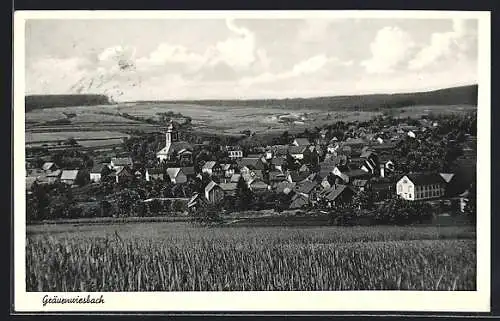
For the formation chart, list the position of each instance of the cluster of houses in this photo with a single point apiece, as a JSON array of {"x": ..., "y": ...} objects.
[{"x": 326, "y": 171}]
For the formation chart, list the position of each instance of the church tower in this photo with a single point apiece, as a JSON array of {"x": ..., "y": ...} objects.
[{"x": 168, "y": 136}]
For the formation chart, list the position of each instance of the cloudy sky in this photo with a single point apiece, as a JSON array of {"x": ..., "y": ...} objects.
[{"x": 248, "y": 58}]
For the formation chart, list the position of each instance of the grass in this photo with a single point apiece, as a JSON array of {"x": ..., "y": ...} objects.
[{"x": 178, "y": 257}]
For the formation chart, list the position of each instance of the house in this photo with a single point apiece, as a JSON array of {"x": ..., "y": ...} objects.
[
  {"x": 235, "y": 178},
  {"x": 97, "y": 172},
  {"x": 299, "y": 201},
  {"x": 301, "y": 142},
  {"x": 258, "y": 186},
  {"x": 361, "y": 184},
  {"x": 307, "y": 188},
  {"x": 117, "y": 163},
  {"x": 251, "y": 163},
  {"x": 124, "y": 174},
  {"x": 54, "y": 176},
  {"x": 347, "y": 173},
  {"x": 196, "y": 202},
  {"x": 229, "y": 188},
  {"x": 420, "y": 186},
  {"x": 49, "y": 166},
  {"x": 304, "y": 168},
  {"x": 228, "y": 170},
  {"x": 176, "y": 175},
  {"x": 211, "y": 168},
  {"x": 278, "y": 162},
  {"x": 234, "y": 152},
  {"x": 69, "y": 176},
  {"x": 295, "y": 177},
  {"x": 153, "y": 174},
  {"x": 336, "y": 195},
  {"x": 214, "y": 193},
  {"x": 276, "y": 177},
  {"x": 298, "y": 152},
  {"x": 174, "y": 149},
  {"x": 189, "y": 171},
  {"x": 285, "y": 187}
]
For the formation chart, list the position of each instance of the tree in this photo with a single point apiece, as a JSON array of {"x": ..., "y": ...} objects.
[
  {"x": 470, "y": 209},
  {"x": 243, "y": 195}
]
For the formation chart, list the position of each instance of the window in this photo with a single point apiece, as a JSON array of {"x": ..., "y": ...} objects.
[{"x": 400, "y": 188}]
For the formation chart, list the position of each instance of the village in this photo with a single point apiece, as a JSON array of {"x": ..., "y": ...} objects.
[{"x": 346, "y": 165}]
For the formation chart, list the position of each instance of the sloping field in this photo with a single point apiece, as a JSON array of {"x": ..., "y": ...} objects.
[{"x": 78, "y": 135}]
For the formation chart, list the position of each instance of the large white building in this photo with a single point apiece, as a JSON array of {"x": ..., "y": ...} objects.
[
  {"x": 420, "y": 186},
  {"x": 174, "y": 149}
]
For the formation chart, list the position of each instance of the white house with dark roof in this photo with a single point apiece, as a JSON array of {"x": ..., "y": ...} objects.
[
  {"x": 420, "y": 186},
  {"x": 117, "y": 163}
]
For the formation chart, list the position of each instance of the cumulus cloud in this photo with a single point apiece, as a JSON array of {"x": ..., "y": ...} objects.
[
  {"x": 456, "y": 45},
  {"x": 314, "y": 30},
  {"x": 312, "y": 65},
  {"x": 391, "y": 48}
]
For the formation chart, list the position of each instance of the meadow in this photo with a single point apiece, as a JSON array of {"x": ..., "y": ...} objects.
[{"x": 165, "y": 256}]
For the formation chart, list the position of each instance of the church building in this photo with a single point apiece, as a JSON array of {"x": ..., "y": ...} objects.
[{"x": 174, "y": 149}]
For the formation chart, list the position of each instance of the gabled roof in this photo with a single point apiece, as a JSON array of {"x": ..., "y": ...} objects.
[
  {"x": 302, "y": 141},
  {"x": 258, "y": 184},
  {"x": 333, "y": 193},
  {"x": 360, "y": 182},
  {"x": 278, "y": 161},
  {"x": 209, "y": 165},
  {"x": 356, "y": 173},
  {"x": 124, "y": 171},
  {"x": 155, "y": 171},
  {"x": 276, "y": 175},
  {"x": 188, "y": 170},
  {"x": 69, "y": 174},
  {"x": 121, "y": 161},
  {"x": 46, "y": 166},
  {"x": 55, "y": 173},
  {"x": 298, "y": 200},
  {"x": 228, "y": 186},
  {"x": 425, "y": 178},
  {"x": 298, "y": 176},
  {"x": 225, "y": 167},
  {"x": 173, "y": 172},
  {"x": 447, "y": 177},
  {"x": 305, "y": 187},
  {"x": 297, "y": 149},
  {"x": 251, "y": 163},
  {"x": 210, "y": 186},
  {"x": 285, "y": 187},
  {"x": 235, "y": 178},
  {"x": 97, "y": 168}
]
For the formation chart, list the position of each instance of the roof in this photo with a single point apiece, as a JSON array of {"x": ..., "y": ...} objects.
[
  {"x": 305, "y": 187},
  {"x": 297, "y": 149},
  {"x": 209, "y": 165},
  {"x": 366, "y": 154},
  {"x": 354, "y": 141},
  {"x": 278, "y": 161},
  {"x": 46, "y": 166},
  {"x": 425, "y": 179},
  {"x": 235, "y": 178},
  {"x": 124, "y": 171},
  {"x": 276, "y": 175},
  {"x": 210, "y": 186},
  {"x": 69, "y": 174},
  {"x": 252, "y": 163},
  {"x": 176, "y": 147},
  {"x": 228, "y": 186},
  {"x": 55, "y": 173},
  {"x": 225, "y": 167},
  {"x": 298, "y": 201},
  {"x": 173, "y": 172},
  {"x": 356, "y": 173},
  {"x": 255, "y": 155},
  {"x": 302, "y": 141},
  {"x": 280, "y": 149},
  {"x": 97, "y": 168},
  {"x": 121, "y": 161},
  {"x": 360, "y": 182},
  {"x": 298, "y": 176},
  {"x": 155, "y": 171},
  {"x": 333, "y": 193},
  {"x": 258, "y": 184},
  {"x": 285, "y": 187},
  {"x": 447, "y": 177},
  {"x": 189, "y": 170},
  {"x": 258, "y": 173}
]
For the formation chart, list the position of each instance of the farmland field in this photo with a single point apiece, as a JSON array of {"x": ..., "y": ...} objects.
[{"x": 179, "y": 257}]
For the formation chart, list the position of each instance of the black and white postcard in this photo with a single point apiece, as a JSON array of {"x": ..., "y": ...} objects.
[{"x": 252, "y": 161}]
